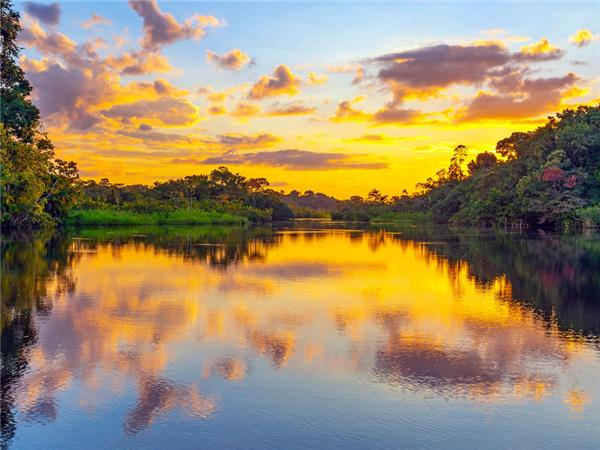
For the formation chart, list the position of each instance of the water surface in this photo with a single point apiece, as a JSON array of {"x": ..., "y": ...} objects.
[{"x": 314, "y": 335}]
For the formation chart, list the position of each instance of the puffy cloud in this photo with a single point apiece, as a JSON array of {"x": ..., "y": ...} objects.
[
  {"x": 232, "y": 60},
  {"x": 165, "y": 111},
  {"x": 533, "y": 98},
  {"x": 95, "y": 20},
  {"x": 61, "y": 92},
  {"x": 56, "y": 44},
  {"x": 48, "y": 14},
  {"x": 290, "y": 109},
  {"x": 314, "y": 79},
  {"x": 282, "y": 82},
  {"x": 162, "y": 28},
  {"x": 347, "y": 113},
  {"x": 539, "y": 51},
  {"x": 217, "y": 110},
  {"x": 139, "y": 63},
  {"x": 297, "y": 160},
  {"x": 583, "y": 37},
  {"x": 245, "y": 110}
]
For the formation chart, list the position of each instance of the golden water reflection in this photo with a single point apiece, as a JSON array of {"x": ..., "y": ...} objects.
[{"x": 370, "y": 304}]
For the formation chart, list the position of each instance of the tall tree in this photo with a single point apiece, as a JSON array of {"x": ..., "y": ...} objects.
[{"x": 35, "y": 187}]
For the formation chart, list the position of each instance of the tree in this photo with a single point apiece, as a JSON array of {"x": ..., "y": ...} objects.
[
  {"x": 483, "y": 160},
  {"x": 19, "y": 116},
  {"x": 36, "y": 188},
  {"x": 455, "y": 172}
]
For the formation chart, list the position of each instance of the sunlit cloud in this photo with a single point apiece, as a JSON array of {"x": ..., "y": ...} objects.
[
  {"x": 540, "y": 51},
  {"x": 164, "y": 111},
  {"x": 245, "y": 110},
  {"x": 282, "y": 82},
  {"x": 533, "y": 97},
  {"x": 232, "y": 60},
  {"x": 162, "y": 28},
  {"x": 583, "y": 37},
  {"x": 315, "y": 79}
]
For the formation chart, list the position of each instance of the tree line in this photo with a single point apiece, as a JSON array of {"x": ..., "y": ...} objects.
[{"x": 549, "y": 177}]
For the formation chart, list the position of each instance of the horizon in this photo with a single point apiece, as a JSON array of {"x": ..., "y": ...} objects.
[{"x": 300, "y": 94}]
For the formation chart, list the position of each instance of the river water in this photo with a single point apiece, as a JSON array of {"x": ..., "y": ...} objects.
[{"x": 307, "y": 335}]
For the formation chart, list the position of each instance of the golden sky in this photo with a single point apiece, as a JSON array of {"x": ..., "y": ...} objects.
[{"x": 323, "y": 97}]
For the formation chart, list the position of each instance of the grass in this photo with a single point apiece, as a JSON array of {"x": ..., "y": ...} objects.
[
  {"x": 401, "y": 217},
  {"x": 111, "y": 217}
]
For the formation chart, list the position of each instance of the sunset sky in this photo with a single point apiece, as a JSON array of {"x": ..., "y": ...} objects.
[{"x": 338, "y": 98}]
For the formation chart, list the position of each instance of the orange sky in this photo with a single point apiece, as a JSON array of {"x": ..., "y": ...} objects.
[{"x": 141, "y": 91}]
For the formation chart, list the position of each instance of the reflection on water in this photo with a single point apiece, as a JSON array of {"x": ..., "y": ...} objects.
[{"x": 312, "y": 335}]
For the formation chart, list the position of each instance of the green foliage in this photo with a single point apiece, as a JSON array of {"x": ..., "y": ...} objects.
[
  {"x": 590, "y": 216},
  {"x": 35, "y": 187},
  {"x": 221, "y": 191}
]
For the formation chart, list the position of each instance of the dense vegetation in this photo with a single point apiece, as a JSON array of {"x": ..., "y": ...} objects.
[
  {"x": 219, "y": 197},
  {"x": 549, "y": 177},
  {"x": 36, "y": 187}
]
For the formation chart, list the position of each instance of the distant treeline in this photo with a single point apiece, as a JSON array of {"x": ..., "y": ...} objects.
[{"x": 220, "y": 191}]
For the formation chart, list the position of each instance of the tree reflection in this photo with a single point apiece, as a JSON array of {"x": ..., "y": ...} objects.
[{"x": 29, "y": 263}]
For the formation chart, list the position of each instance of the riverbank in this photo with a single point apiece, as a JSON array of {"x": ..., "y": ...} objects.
[{"x": 111, "y": 217}]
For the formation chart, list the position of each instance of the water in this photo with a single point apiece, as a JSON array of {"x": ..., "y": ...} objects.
[{"x": 313, "y": 335}]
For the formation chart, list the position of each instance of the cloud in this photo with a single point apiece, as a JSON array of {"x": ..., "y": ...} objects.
[
  {"x": 237, "y": 141},
  {"x": 48, "y": 14},
  {"x": 374, "y": 139},
  {"x": 314, "y": 79},
  {"x": 217, "y": 110},
  {"x": 583, "y": 37},
  {"x": 440, "y": 66},
  {"x": 95, "y": 20},
  {"x": 533, "y": 97},
  {"x": 146, "y": 133},
  {"x": 282, "y": 82},
  {"x": 347, "y": 113},
  {"x": 343, "y": 68},
  {"x": 539, "y": 51},
  {"x": 165, "y": 111},
  {"x": 290, "y": 109},
  {"x": 139, "y": 63},
  {"x": 297, "y": 160},
  {"x": 162, "y": 28},
  {"x": 245, "y": 110},
  {"x": 392, "y": 114},
  {"x": 53, "y": 43},
  {"x": 356, "y": 69},
  {"x": 60, "y": 91},
  {"x": 232, "y": 60}
]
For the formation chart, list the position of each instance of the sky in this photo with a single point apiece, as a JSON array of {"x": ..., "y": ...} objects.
[{"x": 333, "y": 97}]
